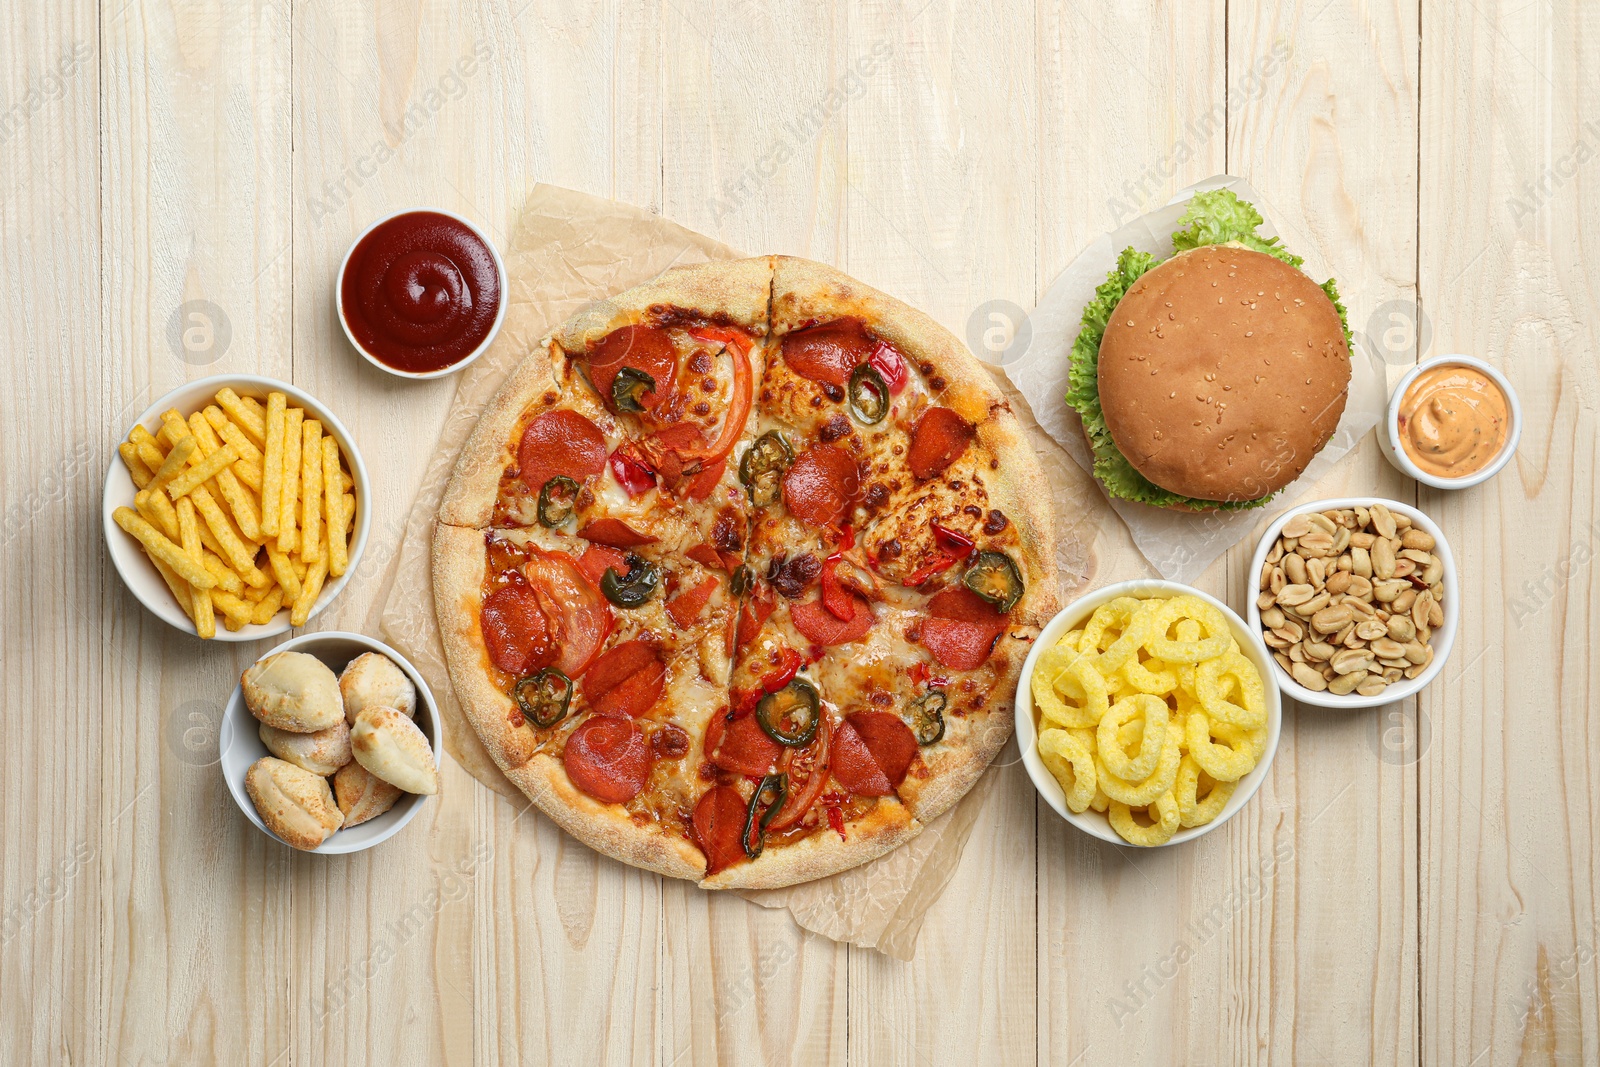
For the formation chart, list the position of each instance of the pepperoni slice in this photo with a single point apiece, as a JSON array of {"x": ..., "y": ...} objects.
[
  {"x": 822, "y": 627},
  {"x": 719, "y": 827},
  {"x": 820, "y": 484},
  {"x": 872, "y": 750},
  {"x": 560, "y": 442},
  {"x": 687, "y": 606},
  {"x": 597, "y": 558},
  {"x": 937, "y": 439},
  {"x": 626, "y": 680},
  {"x": 961, "y": 628},
  {"x": 828, "y": 353},
  {"x": 580, "y": 617},
  {"x": 608, "y": 758},
  {"x": 740, "y": 746},
  {"x": 644, "y": 348},
  {"x": 515, "y": 629},
  {"x": 807, "y": 769},
  {"x": 614, "y": 532}
]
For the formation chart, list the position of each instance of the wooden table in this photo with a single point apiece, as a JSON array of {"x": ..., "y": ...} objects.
[{"x": 1417, "y": 884}]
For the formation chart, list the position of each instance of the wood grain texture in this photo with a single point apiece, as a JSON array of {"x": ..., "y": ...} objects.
[{"x": 1416, "y": 884}]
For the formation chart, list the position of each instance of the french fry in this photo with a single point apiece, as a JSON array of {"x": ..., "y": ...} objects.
[
  {"x": 346, "y": 481},
  {"x": 246, "y": 412},
  {"x": 288, "y": 531},
  {"x": 283, "y": 570},
  {"x": 150, "y": 451},
  {"x": 236, "y": 609},
  {"x": 252, "y": 405},
  {"x": 154, "y": 506},
  {"x": 141, "y": 436},
  {"x": 229, "y": 431},
  {"x": 182, "y": 592},
  {"x": 299, "y": 566},
  {"x": 269, "y": 606},
  {"x": 200, "y": 609},
  {"x": 272, "y": 465},
  {"x": 311, "y": 503},
  {"x": 140, "y": 474},
  {"x": 160, "y": 547},
  {"x": 249, "y": 474},
  {"x": 197, "y": 475},
  {"x": 333, "y": 491},
  {"x": 174, "y": 426},
  {"x": 177, "y": 462},
  {"x": 246, "y": 513},
  {"x": 227, "y": 579},
  {"x": 239, "y": 557},
  {"x": 310, "y": 589},
  {"x": 255, "y": 596}
]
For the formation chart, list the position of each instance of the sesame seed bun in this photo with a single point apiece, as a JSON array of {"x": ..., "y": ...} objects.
[{"x": 1222, "y": 372}]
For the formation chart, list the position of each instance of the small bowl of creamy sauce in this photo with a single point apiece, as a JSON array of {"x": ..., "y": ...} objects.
[{"x": 1452, "y": 422}]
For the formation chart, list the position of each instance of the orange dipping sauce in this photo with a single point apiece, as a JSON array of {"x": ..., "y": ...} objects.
[{"x": 1454, "y": 420}]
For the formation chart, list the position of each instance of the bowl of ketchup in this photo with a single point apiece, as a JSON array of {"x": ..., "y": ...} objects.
[{"x": 421, "y": 293}]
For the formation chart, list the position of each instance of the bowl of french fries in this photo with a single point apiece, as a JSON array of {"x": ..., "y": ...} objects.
[{"x": 236, "y": 507}]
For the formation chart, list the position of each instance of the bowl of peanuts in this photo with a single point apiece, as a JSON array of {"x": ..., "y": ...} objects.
[{"x": 1357, "y": 600}]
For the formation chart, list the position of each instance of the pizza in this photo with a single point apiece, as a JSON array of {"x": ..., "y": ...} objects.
[{"x": 736, "y": 573}]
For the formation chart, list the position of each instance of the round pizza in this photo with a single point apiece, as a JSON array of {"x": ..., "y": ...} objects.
[{"x": 736, "y": 573}]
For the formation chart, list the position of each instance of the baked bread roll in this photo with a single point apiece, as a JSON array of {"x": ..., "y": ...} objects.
[
  {"x": 321, "y": 753},
  {"x": 389, "y": 745},
  {"x": 361, "y": 794},
  {"x": 374, "y": 680},
  {"x": 293, "y": 691},
  {"x": 294, "y": 803}
]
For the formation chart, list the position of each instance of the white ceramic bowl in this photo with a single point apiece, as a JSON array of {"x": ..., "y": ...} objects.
[
  {"x": 141, "y": 576},
  {"x": 1443, "y": 638},
  {"x": 1093, "y": 822},
  {"x": 240, "y": 740},
  {"x": 494, "y": 328},
  {"x": 1389, "y": 432}
]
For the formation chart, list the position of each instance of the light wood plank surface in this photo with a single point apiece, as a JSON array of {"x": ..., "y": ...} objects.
[{"x": 1416, "y": 884}]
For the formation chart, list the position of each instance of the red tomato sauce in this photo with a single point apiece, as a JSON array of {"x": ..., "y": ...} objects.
[{"x": 421, "y": 292}]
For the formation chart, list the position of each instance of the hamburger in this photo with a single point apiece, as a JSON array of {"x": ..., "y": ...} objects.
[{"x": 1209, "y": 380}]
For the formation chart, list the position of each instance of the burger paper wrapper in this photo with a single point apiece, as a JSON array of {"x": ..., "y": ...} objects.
[
  {"x": 567, "y": 250},
  {"x": 1179, "y": 545}
]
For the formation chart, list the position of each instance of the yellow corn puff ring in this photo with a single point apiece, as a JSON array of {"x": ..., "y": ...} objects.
[
  {"x": 1072, "y": 764},
  {"x": 1115, "y": 616},
  {"x": 1100, "y": 802},
  {"x": 1095, "y": 700},
  {"x": 1215, "y": 678},
  {"x": 1160, "y": 832},
  {"x": 1180, "y": 651},
  {"x": 1227, "y": 762},
  {"x": 1155, "y": 713},
  {"x": 1138, "y": 794},
  {"x": 1193, "y": 811},
  {"x": 1135, "y": 632},
  {"x": 1153, "y": 676}
]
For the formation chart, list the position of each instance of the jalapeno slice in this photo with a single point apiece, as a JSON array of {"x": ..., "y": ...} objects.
[
  {"x": 761, "y": 469},
  {"x": 556, "y": 501},
  {"x": 770, "y": 794},
  {"x": 995, "y": 577},
  {"x": 790, "y": 715},
  {"x": 634, "y": 588},
  {"x": 927, "y": 716},
  {"x": 628, "y": 389},
  {"x": 739, "y": 582},
  {"x": 869, "y": 394},
  {"x": 543, "y": 697}
]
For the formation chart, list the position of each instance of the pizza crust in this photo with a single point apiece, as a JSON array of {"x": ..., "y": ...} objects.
[
  {"x": 886, "y": 827},
  {"x": 735, "y": 292}
]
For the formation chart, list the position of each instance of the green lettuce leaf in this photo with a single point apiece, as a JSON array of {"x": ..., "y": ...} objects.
[{"x": 1215, "y": 217}]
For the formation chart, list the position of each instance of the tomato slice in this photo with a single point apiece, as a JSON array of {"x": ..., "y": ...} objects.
[
  {"x": 580, "y": 616},
  {"x": 807, "y": 769}
]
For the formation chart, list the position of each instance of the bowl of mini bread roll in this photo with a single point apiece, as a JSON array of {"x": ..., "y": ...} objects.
[{"x": 330, "y": 743}]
